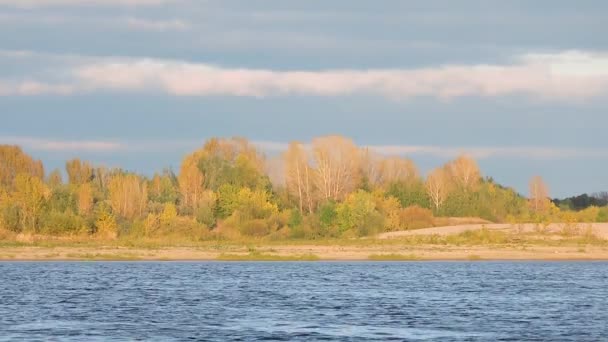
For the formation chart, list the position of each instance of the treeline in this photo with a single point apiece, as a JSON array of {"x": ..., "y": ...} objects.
[{"x": 228, "y": 189}]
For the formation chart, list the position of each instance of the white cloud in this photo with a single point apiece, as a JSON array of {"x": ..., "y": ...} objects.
[
  {"x": 64, "y": 145},
  {"x": 444, "y": 152},
  {"x": 478, "y": 152},
  {"x": 563, "y": 76},
  {"x": 156, "y": 25},
  {"x": 50, "y": 3}
]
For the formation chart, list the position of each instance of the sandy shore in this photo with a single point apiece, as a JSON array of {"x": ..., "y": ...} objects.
[
  {"x": 599, "y": 229},
  {"x": 385, "y": 252}
]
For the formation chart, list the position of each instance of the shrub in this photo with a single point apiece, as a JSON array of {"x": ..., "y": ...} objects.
[{"x": 415, "y": 217}]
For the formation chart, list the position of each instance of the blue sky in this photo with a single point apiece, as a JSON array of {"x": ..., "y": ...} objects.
[{"x": 520, "y": 85}]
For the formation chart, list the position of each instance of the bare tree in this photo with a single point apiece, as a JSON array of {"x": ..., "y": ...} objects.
[
  {"x": 298, "y": 176},
  {"x": 464, "y": 172},
  {"x": 438, "y": 186},
  {"x": 397, "y": 169},
  {"x": 336, "y": 166},
  {"x": 539, "y": 195}
]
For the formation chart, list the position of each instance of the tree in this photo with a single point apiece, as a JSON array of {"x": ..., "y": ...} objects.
[
  {"x": 336, "y": 166},
  {"x": 128, "y": 195},
  {"x": 14, "y": 161},
  {"x": 29, "y": 195},
  {"x": 539, "y": 195},
  {"x": 85, "y": 199},
  {"x": 298, "y": 176},
  {"x": 190, "y": 180},
  {"x": 438, "y": 186},
  {"x": 79, "y": 172},
  {"x": 163, "y": 188},
  {"x": 464, "y": 172},
  {"x": 397, "y": 169},
  {"x": 55, "y": 179}
]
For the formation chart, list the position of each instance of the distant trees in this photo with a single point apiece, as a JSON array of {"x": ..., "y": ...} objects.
[{"x": 329, "y": 188}]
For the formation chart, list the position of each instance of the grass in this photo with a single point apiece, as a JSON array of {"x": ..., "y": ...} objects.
[
  {"x": 102, "y": 256},
  {"x": 394, "y": 257},
  {"x": 256, "y": 256}
]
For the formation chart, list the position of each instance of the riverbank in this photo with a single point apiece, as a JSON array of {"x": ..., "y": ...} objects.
[{"x": 306, "y": 253}]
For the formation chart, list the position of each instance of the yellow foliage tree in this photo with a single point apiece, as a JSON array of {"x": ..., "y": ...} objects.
[
  {"x": 29, "y": 195},
  {"x": 14, "y": 161},
  {"x": 128, "y": 195},
  {"x": 85, "y": 199}
]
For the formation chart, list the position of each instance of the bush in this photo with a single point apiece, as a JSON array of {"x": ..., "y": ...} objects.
[
  {"x": 57, "y": 223},
  {"x": 415, "y": 217}
]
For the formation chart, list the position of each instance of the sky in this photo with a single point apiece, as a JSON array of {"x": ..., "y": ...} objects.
[{"x": 520, "y": 85}]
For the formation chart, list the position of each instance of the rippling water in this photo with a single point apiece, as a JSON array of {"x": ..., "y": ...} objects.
[{"x": 439, "y": 301}]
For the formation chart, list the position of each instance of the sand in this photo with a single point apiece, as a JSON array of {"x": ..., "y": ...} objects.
[
  {"x": 385, "y": 247},
  {"x": 599, "y": 229},
  {"x": 422, "y": 252}
]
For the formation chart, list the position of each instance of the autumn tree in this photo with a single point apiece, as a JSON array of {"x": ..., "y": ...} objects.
[
  {"x": 163, "y": 187},
  {"x": 190, "y": 180},
  {"x": 232, "y": 161},
  {"x": 128, "y": 195},
  {"x": 29, "y": 195},
  {"x": 438, "y": 186},
  {"x": 539, "y": 195},
  {"x": 55, "y": 179},
  {"x": 298, "y": 176},
  {"x": 464, "y": 172},
  {"x": 398, "y": 169},
  {"x": 85, "y": 199},
  {"x": 79, "y": 172},
  {"x": 14, "y": 161},
  {"x": 336, "y": 162}
]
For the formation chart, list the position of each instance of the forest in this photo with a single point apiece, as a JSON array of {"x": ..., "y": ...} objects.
[{"x": 229, "y": 189}]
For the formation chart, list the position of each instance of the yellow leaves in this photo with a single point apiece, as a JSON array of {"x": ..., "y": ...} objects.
[
  {"x": 14, "y": 161},
  {"x": 106, "y": 226},
  {"x": 128, "y": 195},
  {"x": 29, "y": 195},
  {"x": 464, "y": 172},
  {"x": 85, "y": 199},
  {"x": 79, "y": 172},
  {"x": 191, "y": 180},
  {"x": 169, "y": 214}
]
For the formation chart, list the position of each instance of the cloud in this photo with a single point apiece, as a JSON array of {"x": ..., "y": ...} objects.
[
  {"x": 41, "y": 144},
  {"x": 80, "y": 3},
  {"x": 478, "y": 152},
  {"x": 518, "y": 152},
  {"x": 273, "y": 147},
  {"x": 562, "y": 76},
  {"x": 156, "y": 25},
  {"x": 28, "y": 88}
]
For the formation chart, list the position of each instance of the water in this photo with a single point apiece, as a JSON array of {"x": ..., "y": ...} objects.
[{"x": 438, "y": 301}]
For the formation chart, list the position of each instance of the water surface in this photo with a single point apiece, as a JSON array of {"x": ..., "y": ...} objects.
[{"x": 362, "y": 301}]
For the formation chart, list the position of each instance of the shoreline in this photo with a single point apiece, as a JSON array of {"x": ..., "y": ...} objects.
[{"x": 295, "y": 253}]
